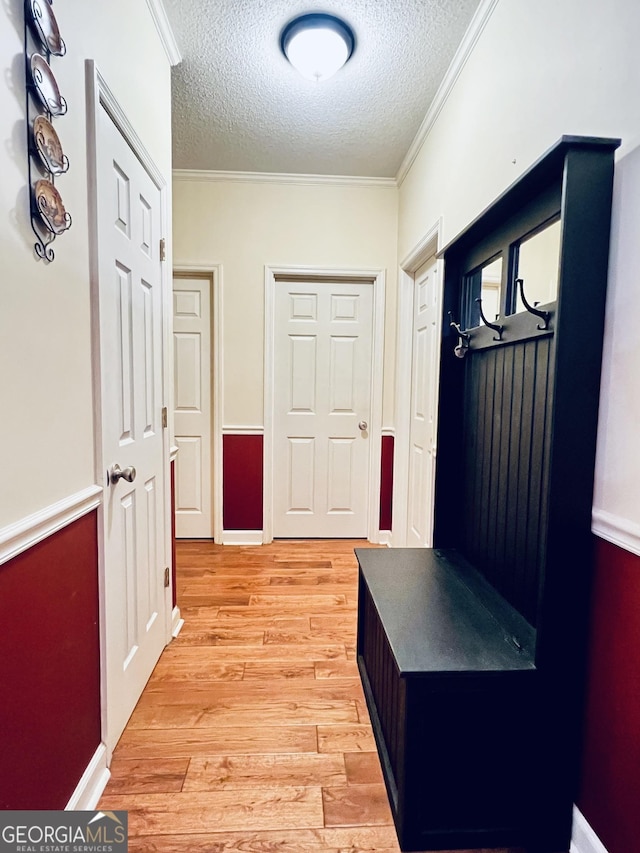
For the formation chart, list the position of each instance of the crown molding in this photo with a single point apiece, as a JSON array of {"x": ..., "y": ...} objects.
[
  {"x": 205, "y": 176},
  {"x": 160, "y": 19},
  {"x": 473, "y": 33}
]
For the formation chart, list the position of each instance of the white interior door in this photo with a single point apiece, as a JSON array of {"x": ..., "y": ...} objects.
[
  {"x": 322, "y": 403},
  {"x": 422, "y": 434},
  {"x": 192, "y": 413},
  {"x": 131, "y": 335}
]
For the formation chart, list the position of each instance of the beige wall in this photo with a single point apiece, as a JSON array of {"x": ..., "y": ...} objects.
[
  {"x": 538, "y": 71},
  {"x": 574, "y": 72},
  {"x": 246, "y": 225},
  {"x": 46, "y": 428}
]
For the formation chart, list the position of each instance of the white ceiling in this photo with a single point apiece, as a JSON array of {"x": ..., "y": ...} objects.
[{"x": 239, "y": 106}]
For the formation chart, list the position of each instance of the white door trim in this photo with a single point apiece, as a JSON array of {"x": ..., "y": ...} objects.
[
  {"x": 100, "y": 96},
  {"x": 377, "y": 279},
  {"x": 421, "y": 252},
  {"x": 214, "y": 273}
]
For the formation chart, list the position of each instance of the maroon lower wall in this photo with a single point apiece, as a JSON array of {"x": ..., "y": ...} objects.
[
  {"x": 49, "y": 668},
  {"x": 174, "y": 593},
  {"x": 611, "y": 766},
  {"x": 242, "y": 480},
  {"x": 386, "y": 482}
]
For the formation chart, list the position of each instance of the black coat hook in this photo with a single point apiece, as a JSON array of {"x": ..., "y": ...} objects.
[
  {"x": 544, "y": 315},
  {"x": 495, "y": 326},
  {"x": 460, "y": 350}
]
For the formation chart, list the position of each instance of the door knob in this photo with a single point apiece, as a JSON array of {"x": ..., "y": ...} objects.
[
  {"x": 363, "y": 425},
  {"x": 117, "y": 473}
]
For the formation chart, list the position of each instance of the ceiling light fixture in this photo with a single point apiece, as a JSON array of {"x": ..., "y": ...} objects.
[{"x": 317, "y": 45}]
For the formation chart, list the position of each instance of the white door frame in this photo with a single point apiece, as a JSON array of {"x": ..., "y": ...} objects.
[
  {"x": 377, "y": 280},
  {"x": 423, "y": 250},
  {"x": 99, "y": 96},
  {"x": 214, "y": 273}
]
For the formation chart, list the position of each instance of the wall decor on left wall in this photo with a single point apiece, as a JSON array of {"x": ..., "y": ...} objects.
[{"x": 46, "y": 159}]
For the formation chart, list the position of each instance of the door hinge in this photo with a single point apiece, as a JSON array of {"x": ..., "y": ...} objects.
[
  {"x": 163, "y": 249},
  {"x": 166, "y": 577},
  {"x": 165, "y": 417}
]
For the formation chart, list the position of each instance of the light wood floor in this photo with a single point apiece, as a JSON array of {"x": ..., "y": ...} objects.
[{"x": 252, "y": 734}]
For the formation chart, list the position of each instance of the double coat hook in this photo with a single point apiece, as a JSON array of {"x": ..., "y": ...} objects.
[
  {"x": 538, "y": 312},
  {"x": 460, "y": 350},
  {"x": 495, "y": 326}
]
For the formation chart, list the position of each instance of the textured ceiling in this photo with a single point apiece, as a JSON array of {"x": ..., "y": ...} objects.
[{"x": 239, "y": 106}]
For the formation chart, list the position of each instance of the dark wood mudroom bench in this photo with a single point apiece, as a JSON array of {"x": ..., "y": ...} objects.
[
  {"x": 447, "y": 667},
  {"x": 472, "y": 653},
  {"x": 440, "y": 615}
]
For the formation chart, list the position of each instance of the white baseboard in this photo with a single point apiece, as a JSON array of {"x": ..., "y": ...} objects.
[
  {"x": 242, "y": 537},
  {"x": 94, "y": 779},
  {"x": 176, "y": 622},
  {"x": 384, "y": 538},
  {"x": 583, "y": 838}
]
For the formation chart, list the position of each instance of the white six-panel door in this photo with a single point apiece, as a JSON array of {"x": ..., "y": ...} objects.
[
  {"x": 131, "y": 330},
  {"x": 423, "y": 406},
  {"x": 192, "y": 402},
  {"x": 322, "y": 402}
]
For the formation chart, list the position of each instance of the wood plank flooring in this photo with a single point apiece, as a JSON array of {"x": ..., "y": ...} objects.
[{"x": 252, "y": 734}]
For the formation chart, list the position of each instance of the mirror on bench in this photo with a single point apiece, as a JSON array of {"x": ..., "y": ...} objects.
[{"x": 538, "y": 258}]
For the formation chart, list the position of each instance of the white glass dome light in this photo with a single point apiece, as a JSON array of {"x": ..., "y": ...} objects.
[{"x": 317, "y": 45}]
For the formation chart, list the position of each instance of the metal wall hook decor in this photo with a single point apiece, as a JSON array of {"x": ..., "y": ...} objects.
[
  {"x": 44, "y": 103},
  {"x": 42, "y": 248},
  {"x": 538, "y": 312},
  {"x": 464, "y": 338},
  {"x": 495, "y": 326},
  {"x": 44, "y": 22}
]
